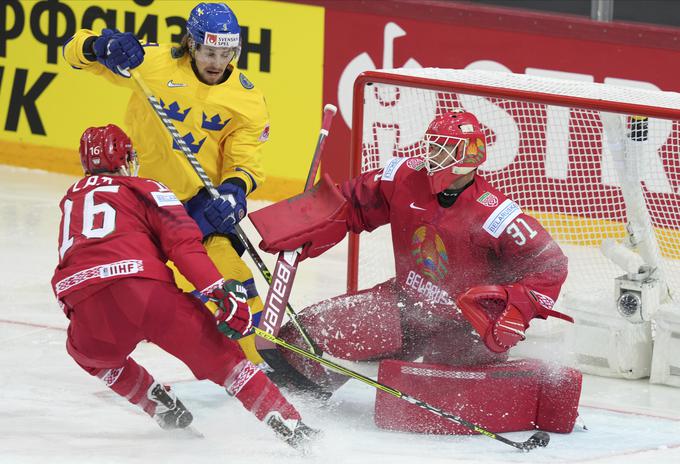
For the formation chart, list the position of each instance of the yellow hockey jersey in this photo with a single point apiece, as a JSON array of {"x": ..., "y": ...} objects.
[{"x": 225, "y": 125}]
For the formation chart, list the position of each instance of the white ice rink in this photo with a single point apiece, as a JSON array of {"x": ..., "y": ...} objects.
[{"x": 52, "y": 412}]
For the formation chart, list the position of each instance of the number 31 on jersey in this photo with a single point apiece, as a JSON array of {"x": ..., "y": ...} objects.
[{"x": 518, "y": 233}]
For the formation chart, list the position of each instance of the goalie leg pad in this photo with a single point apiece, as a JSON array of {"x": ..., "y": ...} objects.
[
  {"x": 506, "y": 397},
  {"x": 457, "y": 344},
  {"x": 558, "y": 401},
  {"x": 357, "y": 327}
]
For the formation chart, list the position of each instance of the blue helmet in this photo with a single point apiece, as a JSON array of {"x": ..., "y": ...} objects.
[{"x": 215, "y": 25}]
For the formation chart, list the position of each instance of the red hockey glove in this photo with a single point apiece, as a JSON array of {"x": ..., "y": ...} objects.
[
  {"x": 501, "y": 314},
  {"x": 233, "y": 314}
]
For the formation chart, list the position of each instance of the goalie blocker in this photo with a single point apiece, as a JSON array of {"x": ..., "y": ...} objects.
[
  {"x": 504, "y": 397},
  {"x": 318, "y": 214}
]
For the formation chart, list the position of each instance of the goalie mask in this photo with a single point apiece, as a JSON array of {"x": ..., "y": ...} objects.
[
  {"x": 107, "y": 149},
  {"x": 456, "y": 147},
  {"x": 215, "y": 25}
]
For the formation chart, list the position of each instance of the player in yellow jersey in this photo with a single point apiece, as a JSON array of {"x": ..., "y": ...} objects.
[{"x": 220, "y": 114}]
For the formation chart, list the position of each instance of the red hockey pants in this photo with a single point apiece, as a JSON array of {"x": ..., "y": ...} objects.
[{"x": 107, "y": 325}]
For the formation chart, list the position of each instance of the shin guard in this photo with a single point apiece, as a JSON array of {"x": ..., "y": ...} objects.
[{"x": 505, "y": 397}]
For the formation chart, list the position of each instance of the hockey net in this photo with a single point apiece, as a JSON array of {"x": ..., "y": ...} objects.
[{"x": 547, "y": 150}]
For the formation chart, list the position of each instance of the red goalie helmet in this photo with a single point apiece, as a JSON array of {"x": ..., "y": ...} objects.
[
  {"x": 456, "y": 147},
  {"x": 107, "y": 149}
]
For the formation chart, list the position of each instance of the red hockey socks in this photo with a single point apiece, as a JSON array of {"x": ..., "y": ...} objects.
[
  {"x": 257, "y": 393},
  {"x": 131, "y": 381}
]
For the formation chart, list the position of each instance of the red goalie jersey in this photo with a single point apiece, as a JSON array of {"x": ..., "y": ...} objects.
[
  {"x": 476, "y": 246},
  {"x": 484, "y": 238},
  {"x": 115, "y": 227}
]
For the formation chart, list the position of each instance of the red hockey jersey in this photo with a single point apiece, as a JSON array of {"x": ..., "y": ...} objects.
[
  {"x": 484, "y": 238},
  {"x": 115, "y": 227}
]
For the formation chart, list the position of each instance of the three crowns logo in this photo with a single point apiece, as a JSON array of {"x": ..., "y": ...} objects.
[
  {"x": 189, "y": 140},
  {"x": 173, "y": 111},
  {"x": 215, "y": 123}
]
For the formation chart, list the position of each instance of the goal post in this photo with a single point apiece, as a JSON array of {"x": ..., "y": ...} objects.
[{"x": 596, "y": 164}]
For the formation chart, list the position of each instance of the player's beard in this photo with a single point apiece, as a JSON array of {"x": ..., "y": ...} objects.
[{"x": 210, "y": 75}]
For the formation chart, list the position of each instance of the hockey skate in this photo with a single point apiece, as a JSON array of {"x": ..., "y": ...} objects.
[
  {"x": 292, "y": 431},
  {"x": 170, "y": 412}
]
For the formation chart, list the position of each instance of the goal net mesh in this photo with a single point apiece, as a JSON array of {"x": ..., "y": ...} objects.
[{"x": 546, "y": 150}]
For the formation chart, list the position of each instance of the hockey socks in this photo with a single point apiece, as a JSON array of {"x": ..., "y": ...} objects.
[
  {"x": 131, "y": 381},
  {"x": 134, "y": 383},
  {"x": 257, "y": 393}
]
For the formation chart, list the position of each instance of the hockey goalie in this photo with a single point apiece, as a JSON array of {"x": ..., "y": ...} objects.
[{"x": 472, "y": 271}]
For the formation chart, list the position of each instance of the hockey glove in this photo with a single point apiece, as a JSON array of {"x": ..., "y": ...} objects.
[
  {"x": 225, "y": 212},
  {"x": 501, "y": 314},
  {"x": 118, "y": 51},
  {"x": 218, "y": 215},
  {"x": 233, "y": 314}
]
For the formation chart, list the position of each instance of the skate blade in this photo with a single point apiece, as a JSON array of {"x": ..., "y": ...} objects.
[
  {"x": 188, "y": 432},
  {"x": 193, "y": 431}
]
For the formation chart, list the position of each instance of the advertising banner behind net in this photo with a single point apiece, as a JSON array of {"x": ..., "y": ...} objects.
[
  {"x": 482, "y": 38},
  {"x": 45, "y": 105}
]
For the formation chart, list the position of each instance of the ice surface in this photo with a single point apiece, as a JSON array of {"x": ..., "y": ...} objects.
[{"x": 52, "y": 412}]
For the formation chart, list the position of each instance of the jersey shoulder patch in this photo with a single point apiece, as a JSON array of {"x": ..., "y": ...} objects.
[
  {"x": 501, "y": 217},
  {"x": 488, "y": 199},
  {"x": 161, "y": 195},
  {"x": 166, "y": 199},
  {"x": 391, "y": 168},
  {"x": 245, "y": 82}
]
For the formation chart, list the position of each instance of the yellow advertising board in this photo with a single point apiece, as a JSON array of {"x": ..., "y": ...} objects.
[{"x": 45, "y": 104}]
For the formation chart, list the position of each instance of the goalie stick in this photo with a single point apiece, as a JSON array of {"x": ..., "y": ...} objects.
[
  {"x": 537, "y": 440},
  {"x": 282, "y": 283},
  {"x": 162, "y": 115}
]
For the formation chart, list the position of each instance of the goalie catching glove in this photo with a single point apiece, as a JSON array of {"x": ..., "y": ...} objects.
[
  {"x": 501, "y": 314},
  {"x": 233, "y": 314}
]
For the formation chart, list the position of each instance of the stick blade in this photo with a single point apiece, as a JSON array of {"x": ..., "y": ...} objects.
[
  {"x": 537, "y": 440},
  {"x": 285, "y": 375}
]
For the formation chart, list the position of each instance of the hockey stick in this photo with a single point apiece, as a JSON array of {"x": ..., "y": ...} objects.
[
  {"x": 293, "y": 375},
  {"x": 286, "y": 268},
  {"x": 537, "y": 440},
  {"x": 282, "y": 372}
]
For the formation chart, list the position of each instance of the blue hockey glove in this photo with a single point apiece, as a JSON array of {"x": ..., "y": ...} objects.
[
  {"x": 225, "y": 212},
  {"x": 118, "y": 51},
  {"x": 218, "y": 216}
]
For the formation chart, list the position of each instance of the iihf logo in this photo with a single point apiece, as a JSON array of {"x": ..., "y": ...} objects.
[{"x": 173, "y": 111}]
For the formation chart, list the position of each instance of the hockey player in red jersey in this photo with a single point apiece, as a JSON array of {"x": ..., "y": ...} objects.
[
  {"x": 472, "y": 269},
  {"x": 117, "y": 232}
]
